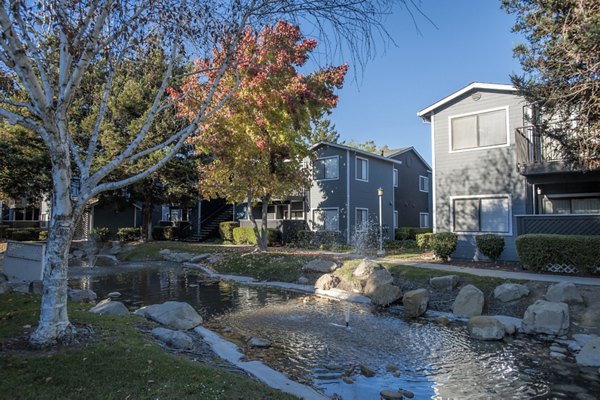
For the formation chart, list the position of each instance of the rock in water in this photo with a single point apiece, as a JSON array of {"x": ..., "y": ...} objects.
[
  {"x": 415, "y": 302},
  {"x": 589, "y": 356},
  {"x": 174, "y": 314},
  {"x": 258, "y": 342},
  {"x": 546, "y": 317},
  {"x": 366, "y": 268},
  {"x": 468, "y": 302},
  {"x": 485, "y": 328},
  {"x": 385, "y": 294},
  {"x": 327, "y": 281}
]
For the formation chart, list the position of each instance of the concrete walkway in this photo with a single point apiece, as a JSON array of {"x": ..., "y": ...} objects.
[{"x": 527, "y": 276}]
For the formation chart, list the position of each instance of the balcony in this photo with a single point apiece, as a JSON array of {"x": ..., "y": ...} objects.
[{"x": 537, "y": 153}]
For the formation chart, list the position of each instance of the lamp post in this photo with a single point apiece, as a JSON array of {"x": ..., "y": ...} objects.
[{"x": 380, "y": 252}]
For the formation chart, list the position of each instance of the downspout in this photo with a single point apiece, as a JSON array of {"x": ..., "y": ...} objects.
[
  {"x": 348, "y": 214},
  {"x": 433, "y": 173},
  {"x": 534, "y": 199}
]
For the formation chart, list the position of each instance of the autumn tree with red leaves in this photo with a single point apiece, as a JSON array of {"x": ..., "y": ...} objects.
[{"x": 259, "y": 140}]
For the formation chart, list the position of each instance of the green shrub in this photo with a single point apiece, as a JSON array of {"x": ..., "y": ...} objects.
[
  {"x": 43, "y": 236},
  {"x": 226, "y": 230},
  {"x": 101, "y": 234},
  {"x": 490, "y": 245},
  {"x": 409, "y": 233},
  {"x": 424, "y": 241},
  {"x": 163, "y": 233},
  {"x": 245, "y": 235},
  {"x": 443, "y": 244},
  {"x": 128, "y": 234},
  {"x": 23, "y": 234},
  {"x": 3, "y": 229},
  {"x": 536, "y": 251}
]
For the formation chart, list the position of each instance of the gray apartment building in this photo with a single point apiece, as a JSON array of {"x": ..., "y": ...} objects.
[{"x": 496, "y": 172}]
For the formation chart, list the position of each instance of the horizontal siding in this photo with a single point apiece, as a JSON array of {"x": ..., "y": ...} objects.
[{"x": 477, "y": 172}]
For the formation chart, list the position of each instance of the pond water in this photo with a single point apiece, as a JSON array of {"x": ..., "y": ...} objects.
[{"x": 312, "y": 344}]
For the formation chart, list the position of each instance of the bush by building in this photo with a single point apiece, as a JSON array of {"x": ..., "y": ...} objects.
[
  {"x": 423, "y": 240},
  {"x": 538, "y": 251},
  {"x": 101, "y": 234},
  {"x": 409, "y": 233},
  {"x": 443, "y": 244},
  {"x": 163, "y": 233},
  {"x": 129, "y": 234},
  {"x": 245, "y": 235},
  {"x": 490, "y": 245},
  {"x": 226, "y": 230}
]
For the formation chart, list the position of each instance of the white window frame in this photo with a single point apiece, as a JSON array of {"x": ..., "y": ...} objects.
[
  {"x": 312, "y": 215},
  {"x": 365, "y": 226},
  {"x": 483, "y": 196},
  {"x": 395, "y": 219},
  {"x": 420, "y": 216},
  {"x": 366, "y": 160},
  {"x": 426, "y": 185},
  {"x": 395, "y": 177},
  {"x": 337, "y": 172},
  {"x": 450, "y": 118}
]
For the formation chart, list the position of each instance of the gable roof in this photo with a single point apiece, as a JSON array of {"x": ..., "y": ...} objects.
[
  {"x": 403, "y": 150},
  {"x": 359, "y": 151},
  {"x": 392, "y": 152},
  {"x": 425, "y": 113}
]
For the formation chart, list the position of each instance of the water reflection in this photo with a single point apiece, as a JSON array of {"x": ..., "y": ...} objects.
[{"x": 312, "y": 343}]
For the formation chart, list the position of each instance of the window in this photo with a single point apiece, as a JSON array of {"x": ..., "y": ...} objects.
[
  {"x": 326, "y": 168},
  {"x": 424, "y": 220},
  {"x": 424, "y": 184},
  {"x": 362, "y": 169},
  {"x": 395, "y": 177},
  {"x": 395, "y": 219},
  {"x": 326, "y": 219},
  {"x": 362, "y": 219},
  {"x": 486, "y": 129},
  {"x": 482, "y": 214},
  {"x": 575, "y": 205}
]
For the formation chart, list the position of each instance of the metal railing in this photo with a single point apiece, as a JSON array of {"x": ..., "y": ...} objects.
[{"x": 533, "y": 146}]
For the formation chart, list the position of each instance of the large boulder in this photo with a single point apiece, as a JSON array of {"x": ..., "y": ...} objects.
[
  {"x": 446, "y": 282},
  {"x": 327, "y": 281},
  {"x": 510, "y": 291},
  {"x": 415, "y": 302},
  {"x": 564, "y": 292},
  {"x": 174, "y": 314},
  {"x": 320, "y": 265},
  {"x": 81, "y": 295},
  {"x": 589, "y": 356},
  {"x": 175, "y": 339},
  {"x": 108, "y": 307},
  {"x": 546, "y": 317},
  {"x": 511, "y": 325},
  {"x": 485, "y": 328},
  {"x": 468, "y": 302},
  {"x": 365, "y": 269},
  {"x": 378, "y": 278},
  {"x": 385, "y": 294}
]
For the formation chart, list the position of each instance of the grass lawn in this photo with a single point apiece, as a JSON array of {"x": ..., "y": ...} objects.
[
  {"x": 279, "y": 264},
  {"x": 118, "y": 362}
]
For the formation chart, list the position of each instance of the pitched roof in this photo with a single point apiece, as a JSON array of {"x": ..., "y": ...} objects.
[
  {"x": 425, "y": 113},
  {"x": 391, "y": 152},
  {"x": 402, "y": 150},
  {"x": 365, "y": 153}
]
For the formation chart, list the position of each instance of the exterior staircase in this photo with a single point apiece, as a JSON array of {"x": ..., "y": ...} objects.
[{"x": 209, "y": 226}]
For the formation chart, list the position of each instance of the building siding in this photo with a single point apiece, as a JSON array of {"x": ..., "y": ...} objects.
[
  {"x": 485, "y": 171},
  {"x": 409, "y": 200}
]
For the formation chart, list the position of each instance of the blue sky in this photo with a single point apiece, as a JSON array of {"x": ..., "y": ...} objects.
[{"x": 473, "y": 42}]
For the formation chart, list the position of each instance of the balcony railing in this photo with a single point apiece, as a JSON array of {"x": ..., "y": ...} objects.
[{"x": 534, "y": 147}]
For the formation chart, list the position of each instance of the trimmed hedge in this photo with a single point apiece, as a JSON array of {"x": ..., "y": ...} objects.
[
  {"x": 226, "y": 230},
  {"x": 409, "y": 233},
  {"x": 490, "y": 245},
  {"x": 536, "y": 251},
  {"x": 129, "y": 234},
  {"x": 23, "y": 234},
  {"x": 101, "y": 234},
  {"x": 163, "y": 233},
  {"x": 424, "y": 241},
  {"x": 245, "y": 235},
  {"x": 43, "y": 236},
  {"x": 443, "y": 244}
]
